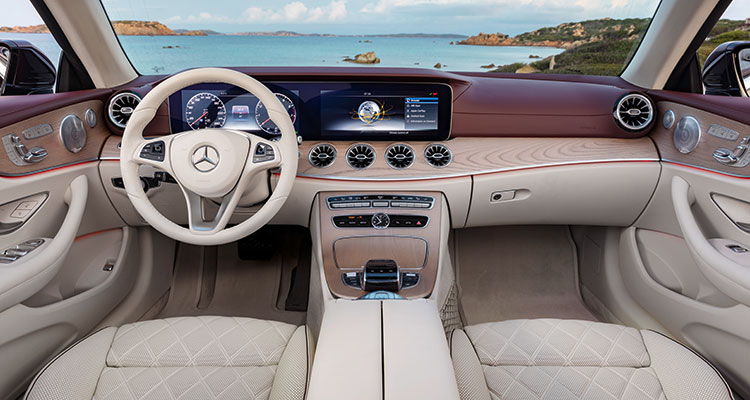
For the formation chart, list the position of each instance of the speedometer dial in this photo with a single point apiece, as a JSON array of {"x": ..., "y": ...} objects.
[
  {"x": 205, "y": 110},
  {"x": 264, "y": 120}
]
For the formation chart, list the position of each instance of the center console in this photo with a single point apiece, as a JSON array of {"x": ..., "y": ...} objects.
[
  {"x": 369, "y": 246},
  {"x": 380, "y": 241}
]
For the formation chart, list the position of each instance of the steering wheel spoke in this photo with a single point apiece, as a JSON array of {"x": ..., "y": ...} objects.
[{"x": 197, "y": 208}]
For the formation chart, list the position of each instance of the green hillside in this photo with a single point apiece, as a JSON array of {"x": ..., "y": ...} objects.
[{"x": 602, "y": 47}]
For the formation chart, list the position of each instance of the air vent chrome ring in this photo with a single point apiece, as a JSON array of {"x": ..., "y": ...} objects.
[
  {"x": 399, "y": 156},
  {"x": 322, "y": 155},
  {"x": 121, "y": 107},
  {"x": 438, "y": 155},
  {"x": 360, "y": 156},
  {"x": 634, "y": 112}
]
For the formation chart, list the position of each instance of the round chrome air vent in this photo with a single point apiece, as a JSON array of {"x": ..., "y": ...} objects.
[
  {"x": 322, "y": 155},
  {"x": 360, "y": 156},
  {"x": 121, "y": 107},
  {"x": 438, "y": 155},
  {"x": 399, "y": 156},
  {"x": 634, "y": 112}
]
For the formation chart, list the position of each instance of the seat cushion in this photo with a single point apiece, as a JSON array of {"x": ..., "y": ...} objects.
[
  {"x": 202, "y": 357},
  {"x": 570, "y": 359}
]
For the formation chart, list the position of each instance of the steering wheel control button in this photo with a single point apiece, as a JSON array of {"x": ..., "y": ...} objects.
[
  {"x": 153, "y": 151},
  {"x": 380, "y": 221},
  {"x": 263, "y": 152},
  {"x": 205, "y": 158}
]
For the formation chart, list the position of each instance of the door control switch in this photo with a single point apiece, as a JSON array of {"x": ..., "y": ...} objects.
[{"x": 737, "y": 248}]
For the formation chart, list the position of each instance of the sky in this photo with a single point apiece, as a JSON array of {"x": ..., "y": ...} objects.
[{"x": 364, "y": 16}]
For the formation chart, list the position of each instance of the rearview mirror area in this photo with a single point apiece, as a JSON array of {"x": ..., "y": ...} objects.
[
  {"x": 726, "y": 71},
  {"x": 24, "y": 69}
]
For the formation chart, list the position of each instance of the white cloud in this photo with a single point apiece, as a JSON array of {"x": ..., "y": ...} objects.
[{"x": 297, "y": 11}]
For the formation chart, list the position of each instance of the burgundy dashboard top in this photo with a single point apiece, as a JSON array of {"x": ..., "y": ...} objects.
[{"x": 484, "y": 104}]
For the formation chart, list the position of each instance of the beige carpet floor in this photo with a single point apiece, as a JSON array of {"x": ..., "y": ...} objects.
[
  {"x": 517, "y": 272},
  {"x": 215, "y": 281}
]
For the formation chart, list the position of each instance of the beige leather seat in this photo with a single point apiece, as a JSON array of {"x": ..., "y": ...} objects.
[
  {"x": 569, "y": 359},
  {"x": 182, "y": 358}
]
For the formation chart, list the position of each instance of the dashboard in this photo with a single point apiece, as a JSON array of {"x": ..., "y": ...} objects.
[{"x": 322, "y": 110}]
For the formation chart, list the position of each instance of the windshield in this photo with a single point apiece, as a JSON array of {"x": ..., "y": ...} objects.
[{"x": 581, "y": 37}]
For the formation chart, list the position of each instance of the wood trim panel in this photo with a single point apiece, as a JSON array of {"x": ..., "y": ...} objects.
[
  {"x": 58, "y": 154},
  {"x": 483, "y": 155},
  {"x": 471, "y": 156},
  {"x": 702, "y": 156},
  {"x": 390, "y": 238}
]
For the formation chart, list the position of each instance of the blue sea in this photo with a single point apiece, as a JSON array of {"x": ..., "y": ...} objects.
[{"x": 152, "y": 54}]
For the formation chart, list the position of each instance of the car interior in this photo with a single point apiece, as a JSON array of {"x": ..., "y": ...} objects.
[{"x": 523, "y": 236}]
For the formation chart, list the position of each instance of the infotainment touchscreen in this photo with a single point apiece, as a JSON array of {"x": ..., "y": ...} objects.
[{"x": 385, "y": 111}]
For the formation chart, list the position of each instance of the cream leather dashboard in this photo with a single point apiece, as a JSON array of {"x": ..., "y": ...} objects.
[{"x": 489, "y": 181}]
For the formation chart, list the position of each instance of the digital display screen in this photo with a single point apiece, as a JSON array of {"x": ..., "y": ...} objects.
[
  {"x": 227, "y": 107},
  {"x": 321, "y": 110},
  {"x": 349, "y": 111}
]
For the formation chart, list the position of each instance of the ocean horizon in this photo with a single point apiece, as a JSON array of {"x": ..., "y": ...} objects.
[{"x": 170, "y": 54}]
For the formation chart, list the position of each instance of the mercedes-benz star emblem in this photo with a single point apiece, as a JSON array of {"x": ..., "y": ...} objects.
[{"x": 205, "y": 158}]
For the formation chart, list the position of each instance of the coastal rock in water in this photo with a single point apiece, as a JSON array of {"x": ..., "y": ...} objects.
[
  {"x": 364, "y": 58},
  {"x": 487, "y": 39},
  {"x": 488, "y": 66},
  {"x": 452, "y": 42},
  {"x": 533, "y": 56},
  {"x": 438, "y": 66},
  {"x": 527, "y": 69}
]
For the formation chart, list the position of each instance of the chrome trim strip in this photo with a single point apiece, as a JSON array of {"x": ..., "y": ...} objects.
[{"x": 470, "y": 173}]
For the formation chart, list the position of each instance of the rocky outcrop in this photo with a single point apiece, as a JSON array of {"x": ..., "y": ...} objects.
[
  {"x": 486, "y": 39},
  {"x": 125, "y": 28},
  {"x": 364, "y": 58},
  {"x": 25, "y": 29},
  {"x": 141, "y": 28}
]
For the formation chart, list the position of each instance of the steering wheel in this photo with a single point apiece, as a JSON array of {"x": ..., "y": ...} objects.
[{"x": 208, "y": 164}]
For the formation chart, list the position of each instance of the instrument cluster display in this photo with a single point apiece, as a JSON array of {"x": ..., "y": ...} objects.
[
  {"x": 224, "y": 106},
  {"x": 321, "y": 110}
]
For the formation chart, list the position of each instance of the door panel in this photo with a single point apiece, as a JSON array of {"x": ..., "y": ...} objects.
[
  {"x": 58, "y": 291},
  {"x": 675, "y": 262}
]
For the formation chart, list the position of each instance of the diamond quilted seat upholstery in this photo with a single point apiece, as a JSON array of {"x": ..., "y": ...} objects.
[
  {"x": 202, "y": 357},
  {"x": 570, "y": 359}
]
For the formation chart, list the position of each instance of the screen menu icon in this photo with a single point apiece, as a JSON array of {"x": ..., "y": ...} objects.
[{"x": 420, "y": 113}]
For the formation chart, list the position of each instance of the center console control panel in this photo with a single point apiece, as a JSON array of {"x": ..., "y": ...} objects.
[
  {"x": 380, "y": 241},
  {"x": 380, "y": 221},
  {"x": 380, "y": 201}
]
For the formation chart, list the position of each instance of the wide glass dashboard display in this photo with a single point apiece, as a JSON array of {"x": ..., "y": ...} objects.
[{"x": 322, "y": 110}]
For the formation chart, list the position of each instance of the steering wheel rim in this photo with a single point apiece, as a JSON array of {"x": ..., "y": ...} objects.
[{"x": 231, "y": 147}]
